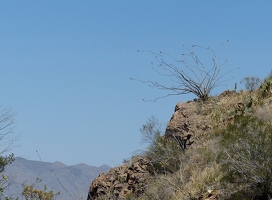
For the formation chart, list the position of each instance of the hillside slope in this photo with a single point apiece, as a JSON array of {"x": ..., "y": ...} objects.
[{"x": 214, "y": 149}]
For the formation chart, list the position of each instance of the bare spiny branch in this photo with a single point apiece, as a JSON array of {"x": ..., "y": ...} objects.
[{"x": 189, "y": 74}]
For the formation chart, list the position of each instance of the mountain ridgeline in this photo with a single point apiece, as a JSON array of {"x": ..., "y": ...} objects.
[{"x": 71, "y": 181}]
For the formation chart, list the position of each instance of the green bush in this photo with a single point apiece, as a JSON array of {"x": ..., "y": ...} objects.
[
  {"x": 265, "y": 89},
  {"x": 247, "y": 156},
  {"x": 164, "y": 154}
]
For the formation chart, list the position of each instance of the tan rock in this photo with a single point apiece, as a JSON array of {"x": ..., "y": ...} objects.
[{"x": 121, "y": 181}]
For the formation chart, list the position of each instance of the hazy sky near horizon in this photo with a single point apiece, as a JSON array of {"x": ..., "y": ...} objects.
[{"x": 66, "y": 67}]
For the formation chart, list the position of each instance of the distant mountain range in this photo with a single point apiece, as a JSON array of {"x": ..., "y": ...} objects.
[{"x": 71, "y": 181}]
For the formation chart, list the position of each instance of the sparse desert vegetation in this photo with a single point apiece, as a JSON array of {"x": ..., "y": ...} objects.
[{"x": 228, "y": 155}]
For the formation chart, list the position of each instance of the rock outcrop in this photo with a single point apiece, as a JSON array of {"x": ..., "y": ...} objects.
[
  {"x": 187, "y": 122},
  {"x": 122, "y": 181}
]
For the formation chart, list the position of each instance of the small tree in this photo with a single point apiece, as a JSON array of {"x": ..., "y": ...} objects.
[
  {"x": 251, "y": 83},
  {"x": 192, "y": 76}
]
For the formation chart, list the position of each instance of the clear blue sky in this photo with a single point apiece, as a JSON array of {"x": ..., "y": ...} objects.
[{"x": 66, "y": 67}]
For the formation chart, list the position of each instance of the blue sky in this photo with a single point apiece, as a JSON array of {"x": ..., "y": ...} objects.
[{"x": 66, "y": 67}]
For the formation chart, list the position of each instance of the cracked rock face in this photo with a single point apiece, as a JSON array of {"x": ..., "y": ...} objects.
[
  {"x": 188, "y": 119},
  {"x": 179, "y": 124},
  {"x": 121, "y": 181}
]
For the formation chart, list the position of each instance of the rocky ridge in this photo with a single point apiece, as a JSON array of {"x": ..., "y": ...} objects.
[{"x": 189, "y": 122}]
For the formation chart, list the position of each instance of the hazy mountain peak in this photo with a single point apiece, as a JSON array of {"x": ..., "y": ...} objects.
[{"x": 59, "y": 164}]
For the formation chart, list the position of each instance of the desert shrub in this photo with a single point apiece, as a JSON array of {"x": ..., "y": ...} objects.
[
  {"x": 264, "y": 113},
  {"x": 179, "y": 173},
  {"x": 201, "y": 171},
  {"x": 265, "y": 89},
  {"x": 164, "y": 154},
  {"x": 160, "y": 187},
  {"x": 247, "y": 157},
  {"x": 251, "y": 83},
  {"x": 30, "y": 192}
]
